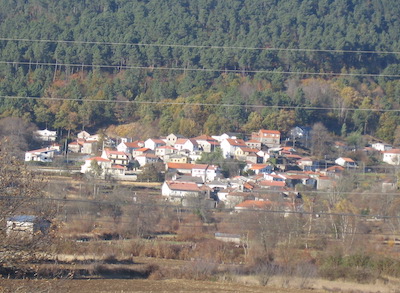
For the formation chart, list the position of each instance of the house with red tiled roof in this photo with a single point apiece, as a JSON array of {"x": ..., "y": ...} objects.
[
  {"x": 165, "y": 150},
  {"x": 207, "y": 143},
  {"x": 229, "y": 146},
  {"x": 285, "y": 208},
  {"x": 177, "y": 158},
  {"x": 76, "y": 146},
  {"x": 103, "y": 163},
  {"x": 247, "y": 154},
  {"x": 129, "y": 147},
  {"x": 392, "y": 157},
  {"x": 334, "y": 171},
  {"x": 259, "y": 168},
  {"x": 44, "y": 155},
  {"x": 182, "y": 168},
  {"x": 270, "y": 138},
  {"x": 272, "y": 184},
  {"x": 176, "y": 191},
  {"x": 141, "y": 152},
  {"x": 153, "y": 143},
  {"x": 207, "y": 172},
  {"x": 116, "y": 157}
]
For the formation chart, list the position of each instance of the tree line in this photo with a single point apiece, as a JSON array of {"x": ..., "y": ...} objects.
[{"x": 83, "y": 77}]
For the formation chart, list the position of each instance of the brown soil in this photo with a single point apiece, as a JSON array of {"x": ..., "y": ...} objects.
[{"x": 98, "y": 286}]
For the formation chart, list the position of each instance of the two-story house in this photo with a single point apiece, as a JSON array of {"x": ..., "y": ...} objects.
[{"x": 270, "y": 138}]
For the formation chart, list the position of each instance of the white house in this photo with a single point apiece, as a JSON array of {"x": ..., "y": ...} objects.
[
  {"x": 89, "y": 147},
  {"x": 45, "y": 155},
  {"x": 46, "y": 135},
  {"x": 207, "y": 172},
  {"x": 229, "y": 146},
  {"x": 382, "y": 147},
  {"x": 270, "y": 138},
  {"x": 147, "y": 159},
  {"x": 153, "y": 143},
  {"x": 392, "y": 157},
  {"x": 129, "y": 147},
  {"x": 104, "y": 164},
  {"x": 164, "y": 151},
  {"x": 207, "y": 143},
  {"x": 83, "y": 135},
  {"x": 346, "y": 162},
  {"x": 186, "y": 144},
  {"x": 176, "y": 191},
  {"x": 224, "y": 136},
  {"x": 116, "y": 157},
  {"x": 172, "y": 138}
]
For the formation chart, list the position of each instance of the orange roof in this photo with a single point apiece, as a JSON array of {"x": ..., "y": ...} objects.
[
  {"x": 347, "y": 159},
  {"x": 253, "y": 141},
  {"x": 108, "y": 152},
  {"x": 134, "y": 144},
  {"x": 254, "y": 204},
  {"x": 249, "y": 150},
  {"x": 293, "y": 156},
  {"x": 98, "y": 159},
  {"x": 258, "y": 166},
  {"x": 236, "y": 142},
  {"x": 181, "y": 140},
  {"x": 305, "y": 159},
  {"x": 273, "y": 183},
  {"x": 335, "y": 168},
  {"x": 166, "y": 147},
  {"x": 118, "y": 167},
  {"x": 179, "y": 166},
  {"x": 188, "y": 186},
  {"x": 392, "y": 151},
  {"x": 270, "y": 131},
  {"x": 142, "y": 150}
]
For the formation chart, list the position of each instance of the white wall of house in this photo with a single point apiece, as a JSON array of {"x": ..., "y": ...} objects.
[{"x": 392, "y": 157}]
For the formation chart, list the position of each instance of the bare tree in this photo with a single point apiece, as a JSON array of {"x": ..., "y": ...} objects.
[
  {"x": 321, "y": 140},
  {"x": 17, "y": 135},
  {"x": 22, "y": 196}
]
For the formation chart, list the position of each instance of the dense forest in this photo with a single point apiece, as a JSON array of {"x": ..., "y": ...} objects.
[{"x": 159, "y": 66}]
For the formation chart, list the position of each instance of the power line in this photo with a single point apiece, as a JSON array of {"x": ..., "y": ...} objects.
[
  {"x": 238, "y": 71},
  {"x": 162, "y": 102},
  {"x": 202, "y": 46}
]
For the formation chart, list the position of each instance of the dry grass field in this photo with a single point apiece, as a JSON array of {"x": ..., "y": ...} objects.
[{"x": 175, "y": 285}]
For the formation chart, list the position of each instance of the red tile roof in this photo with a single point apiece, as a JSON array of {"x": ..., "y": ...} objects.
[
  {"x": 273, "y": 183},
  {"x": 186, "y": 186},
  {"x": 254, "y": 204},
  {"x": 98, "y": 159},
  {"x": 236, "y": 142},
  {"x": 264, "y": 131}
]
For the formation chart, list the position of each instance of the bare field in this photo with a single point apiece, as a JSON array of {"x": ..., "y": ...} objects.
[{"x": 83, "y": 286}]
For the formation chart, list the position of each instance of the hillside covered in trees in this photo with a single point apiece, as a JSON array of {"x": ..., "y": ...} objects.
[{"x": 203, "y": 66}]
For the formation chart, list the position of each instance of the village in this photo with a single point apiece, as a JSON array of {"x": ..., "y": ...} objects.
[{"x": 266, "y": 170}]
